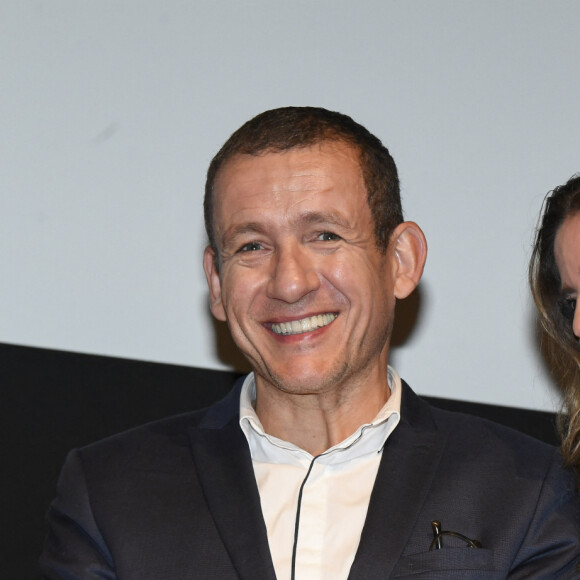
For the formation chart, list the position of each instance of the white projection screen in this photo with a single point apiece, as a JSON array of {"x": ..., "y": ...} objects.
[{"x": 111, "y": 111}]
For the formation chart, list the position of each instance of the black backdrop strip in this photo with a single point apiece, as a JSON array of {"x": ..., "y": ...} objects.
[{"x": 52, "y": 401}]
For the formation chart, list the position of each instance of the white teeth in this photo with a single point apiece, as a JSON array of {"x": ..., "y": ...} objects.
[{"x": 303, "y": 325}]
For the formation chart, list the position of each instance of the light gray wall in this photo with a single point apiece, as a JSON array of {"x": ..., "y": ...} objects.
[{"x": 112, "y": 109}]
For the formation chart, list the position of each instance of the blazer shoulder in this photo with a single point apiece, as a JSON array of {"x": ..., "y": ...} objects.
[
  {"x": 475, "y": 426},
  {"x": 169, "y": 434},
  {"x": 471, "y": 436}
]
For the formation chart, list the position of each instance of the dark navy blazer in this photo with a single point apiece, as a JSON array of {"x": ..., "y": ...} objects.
[{"x": 177, "y": 499}]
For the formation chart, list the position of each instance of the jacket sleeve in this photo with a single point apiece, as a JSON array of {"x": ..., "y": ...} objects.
[
  {"x": 74, "y": 548},
  {"x": 551, "y": 546}
]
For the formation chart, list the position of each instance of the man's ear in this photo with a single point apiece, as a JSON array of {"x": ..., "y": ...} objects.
[
  {"x": 410, "y": 252},
  {"x": 214, "y": 284}
]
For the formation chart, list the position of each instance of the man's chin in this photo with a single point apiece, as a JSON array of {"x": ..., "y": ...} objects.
[{"x": 303, "y": 381}]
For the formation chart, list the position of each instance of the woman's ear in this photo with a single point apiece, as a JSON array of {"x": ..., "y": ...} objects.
[
  {"x": 410, "y": 249},
  {"x": 214, "y": 284}
]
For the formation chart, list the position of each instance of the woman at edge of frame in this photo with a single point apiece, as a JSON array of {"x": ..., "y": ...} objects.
[{"x": 556, "y": 302}]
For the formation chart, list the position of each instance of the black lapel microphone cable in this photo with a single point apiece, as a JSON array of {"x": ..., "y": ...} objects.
[{"x": 297, "y": 524}]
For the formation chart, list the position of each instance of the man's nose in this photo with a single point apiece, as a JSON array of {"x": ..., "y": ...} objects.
[{"x": 293, "y": 275}]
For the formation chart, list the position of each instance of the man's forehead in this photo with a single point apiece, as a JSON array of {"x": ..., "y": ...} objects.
[
  {"x": 293, "y": 188},
  {"x": 281, "y": 174},
  {"x": 310, "y": 152}
]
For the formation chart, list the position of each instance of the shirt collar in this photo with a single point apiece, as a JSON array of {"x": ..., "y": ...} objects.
[{"x": 368, "y": 438}]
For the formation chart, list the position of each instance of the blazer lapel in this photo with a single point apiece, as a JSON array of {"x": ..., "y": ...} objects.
[
  {"x": 225, "y": 471},
  {"x": 408, "y": 465}
]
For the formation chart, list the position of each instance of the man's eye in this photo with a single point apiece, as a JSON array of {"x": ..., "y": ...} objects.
[
  {"x": 327, "y": 237},
  {"x": 250, "y": 247}
]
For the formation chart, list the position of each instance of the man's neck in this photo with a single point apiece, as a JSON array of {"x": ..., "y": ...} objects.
[{"x": 317, "y": 422}]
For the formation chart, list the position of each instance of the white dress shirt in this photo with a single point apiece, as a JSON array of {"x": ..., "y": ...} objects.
[{"x": 335, "y": 497}]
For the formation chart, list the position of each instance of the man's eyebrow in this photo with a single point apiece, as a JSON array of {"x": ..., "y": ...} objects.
[
  {"x": 237, "y": 230},
  {"x": 322, "y": 217},
  {"x": 306, "y": 218}
]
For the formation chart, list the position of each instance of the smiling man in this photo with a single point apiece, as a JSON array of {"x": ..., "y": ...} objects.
[
  {"x": 322, "y": 463},
  {"x": 296, "y": 271}
]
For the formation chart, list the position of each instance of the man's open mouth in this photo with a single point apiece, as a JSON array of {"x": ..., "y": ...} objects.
[{"x": 303, "y": 325}]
